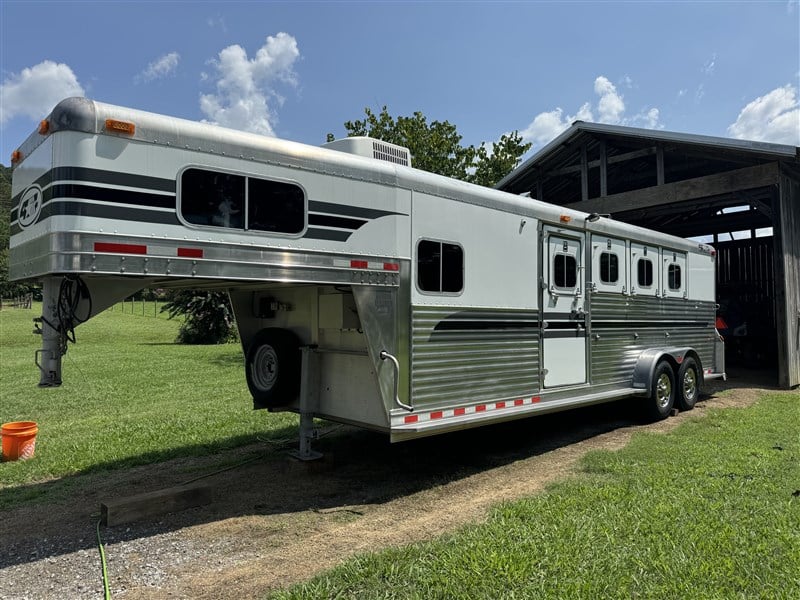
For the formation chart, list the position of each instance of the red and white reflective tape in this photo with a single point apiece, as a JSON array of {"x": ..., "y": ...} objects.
[
  {"x": 117, "y": 248},
  {"x": 460, "y": 411},
  {"x": 368, "y": 265}
]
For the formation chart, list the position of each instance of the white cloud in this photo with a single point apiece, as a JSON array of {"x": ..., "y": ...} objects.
[
  {"x": 773, "y": 117},
  {"x": 610, "y": 109},
  {"x": 36, "y": 90},
  {"x": 682, "y": 93},
  {"x": 547, "y": 125},
  {"x": 161, "y": 67},
  {"x": 710, "y": 65},
  {"x": 245, "y": 87},
  {"x": 610, "y": 106}
]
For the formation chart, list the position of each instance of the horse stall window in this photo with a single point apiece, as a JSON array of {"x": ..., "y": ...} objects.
[
  {"x": 609, "y": 267},
  {"x": 565, "y": 271},
  {"x": 674, "y": 277},
  {"x": 212, "y": 198},
  {"x": 645, "y": 272}
]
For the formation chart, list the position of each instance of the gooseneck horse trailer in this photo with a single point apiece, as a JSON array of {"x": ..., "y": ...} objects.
[{"x": 365, "y": 291}]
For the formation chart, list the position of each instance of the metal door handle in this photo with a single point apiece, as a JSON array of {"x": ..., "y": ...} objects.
[{"x": 385, "y": 355}]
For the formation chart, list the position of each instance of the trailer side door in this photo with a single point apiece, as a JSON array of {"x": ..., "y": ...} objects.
[{"x": 563, "y": 318}]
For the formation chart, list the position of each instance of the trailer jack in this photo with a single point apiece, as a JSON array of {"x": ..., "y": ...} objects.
[{"x": 308, "y": 400}]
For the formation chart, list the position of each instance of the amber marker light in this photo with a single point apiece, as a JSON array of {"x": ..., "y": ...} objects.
[
  {"x": 16, "y": 156},
  {"x": 565, "y": 218},
  {"x": 44, "y": 127},
  {"x": 120, "y": 126}
]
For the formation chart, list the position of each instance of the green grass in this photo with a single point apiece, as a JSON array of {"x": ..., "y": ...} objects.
[
  {"x": 710, "y": 510},
  {"x": 130, "y": 396}
]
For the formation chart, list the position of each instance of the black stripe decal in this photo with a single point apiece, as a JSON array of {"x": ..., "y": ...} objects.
[
  {"x": 649, "y": 324},
  {"x": 327, "y": 234},
  {"x": 114, "y": 178},
  {"x": 453, "y": 325},
  {"x": 87, "y": 192},
  {"x": 341, "y": 222},
  {"x": 108, "y": 211},
  {"x": 350, "y": 211},
  {"x": 100, "y": 176},
  {"x": 564, "y": 325}
]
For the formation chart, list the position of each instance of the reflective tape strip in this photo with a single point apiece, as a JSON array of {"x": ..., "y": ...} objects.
[
  {"x": 460, "y": 411},
  {"x": 366, "y": 265},
  {"x": 120, "y": 248},
  {"x": 190, "y": 252}
]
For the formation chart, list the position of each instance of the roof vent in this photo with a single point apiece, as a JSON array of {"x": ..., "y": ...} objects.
[{"x": 372, "y": 148}]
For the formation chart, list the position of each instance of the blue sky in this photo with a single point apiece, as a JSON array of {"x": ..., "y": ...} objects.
[{"x": 299, "y": 70}]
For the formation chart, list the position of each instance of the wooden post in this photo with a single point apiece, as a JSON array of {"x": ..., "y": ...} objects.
[{"x": 150, "y": 504}]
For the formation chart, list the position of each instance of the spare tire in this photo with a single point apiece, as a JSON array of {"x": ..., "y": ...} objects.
[{"x": 273, "y": 368}]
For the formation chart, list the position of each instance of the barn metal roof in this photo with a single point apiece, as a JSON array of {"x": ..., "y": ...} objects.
[{"x": 581, "y": 131}]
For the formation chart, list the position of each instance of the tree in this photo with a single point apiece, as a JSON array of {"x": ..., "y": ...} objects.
[
  {"x": 208, "y": 316},
  {"x": 8, "y": 289},
  {"x": 436, "y": 146}
]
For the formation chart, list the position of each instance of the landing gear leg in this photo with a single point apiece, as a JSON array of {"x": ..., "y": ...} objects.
[{"x": 309, "y": 386}]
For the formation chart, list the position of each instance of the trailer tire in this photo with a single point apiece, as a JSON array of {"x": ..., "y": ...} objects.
[
  {"x": 689, "y": 379},
  {"x": 273, "y": 368},
  {"x": 662, "y": 392}
]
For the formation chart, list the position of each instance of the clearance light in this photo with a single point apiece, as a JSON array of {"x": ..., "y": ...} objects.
[
  {"x": 44, "y": 127},
  {"x": 120, "y": 126},
  {"x": 565, "y": 218},
  {"x": 16, "y": 156}
]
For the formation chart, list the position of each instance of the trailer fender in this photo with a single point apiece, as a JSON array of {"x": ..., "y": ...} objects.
[{"x": 647, "y": 361}]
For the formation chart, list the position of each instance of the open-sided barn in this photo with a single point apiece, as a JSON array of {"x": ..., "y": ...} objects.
[{"x": 742, "y": 196}]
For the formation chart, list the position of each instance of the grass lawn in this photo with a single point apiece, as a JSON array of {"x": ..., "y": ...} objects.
[
  {"x": 130, "y": 396},
  {"x": 711, "y": 510}
]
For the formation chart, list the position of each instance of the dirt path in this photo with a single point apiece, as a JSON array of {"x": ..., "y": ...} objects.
[{"x": 274, "y": 522}]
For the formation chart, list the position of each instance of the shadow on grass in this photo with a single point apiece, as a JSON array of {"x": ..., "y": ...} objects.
[{"x": 365, "y": 469}]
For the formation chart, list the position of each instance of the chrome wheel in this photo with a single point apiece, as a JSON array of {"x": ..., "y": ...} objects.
[
  {"x": 663, "y": 391},
  {"x": 690, "y": 385}
]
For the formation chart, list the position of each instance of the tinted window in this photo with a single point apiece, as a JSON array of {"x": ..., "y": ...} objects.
[
  {"x": 565, "y": 271},
  {"x": 645, "y": 272},
  {"x": 275, "y": 206},
  {"x": 218, "y": 199},
  {"x": 440, "y": 267},
  {"x": 210, "y": 198},
  {"x": 609, "y": 267},
  {"x": 674, "y": 277}
]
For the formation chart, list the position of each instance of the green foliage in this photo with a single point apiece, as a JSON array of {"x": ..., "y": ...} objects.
[
  {"x": 436, "y": 146},
  {"x": 130, "y": 397},
  {"x": 711, "y": 510},
  {"x": 9, "y": 289},
  {"x": 208, "y": 316}
]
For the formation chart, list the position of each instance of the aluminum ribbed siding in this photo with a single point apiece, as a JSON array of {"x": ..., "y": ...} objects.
[
  {"x": 473, "y": 355},
  {"x": 618, "y": 320}
]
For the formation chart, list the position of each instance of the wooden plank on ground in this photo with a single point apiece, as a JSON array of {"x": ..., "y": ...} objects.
[{"x": 141, "y": 506}]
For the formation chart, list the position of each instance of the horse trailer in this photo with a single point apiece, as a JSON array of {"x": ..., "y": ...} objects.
[{"x": 365, "y": 291}]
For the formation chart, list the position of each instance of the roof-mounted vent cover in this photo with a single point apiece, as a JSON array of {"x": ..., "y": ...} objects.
[{"x": 372, "y": 148}]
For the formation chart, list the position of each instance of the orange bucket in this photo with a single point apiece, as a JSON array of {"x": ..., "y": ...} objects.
[{"x": 19, "y": 440}]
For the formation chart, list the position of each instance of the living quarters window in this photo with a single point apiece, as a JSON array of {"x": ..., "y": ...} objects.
[
  {"x": 609, "y": 267},
  {"x": 275, "y": 206},
  {"x": 211, "y": 198},
  {"x": 231, "y": 201},
  {"x": 645, "y": 272},
  {"x": 565, "y": 271},
  {"x": 440, "y": 267},
  {"x": 674, "y": 277}
]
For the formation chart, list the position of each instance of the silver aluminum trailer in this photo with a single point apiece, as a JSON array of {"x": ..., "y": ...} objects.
[{"x": 365, "y": 291}]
